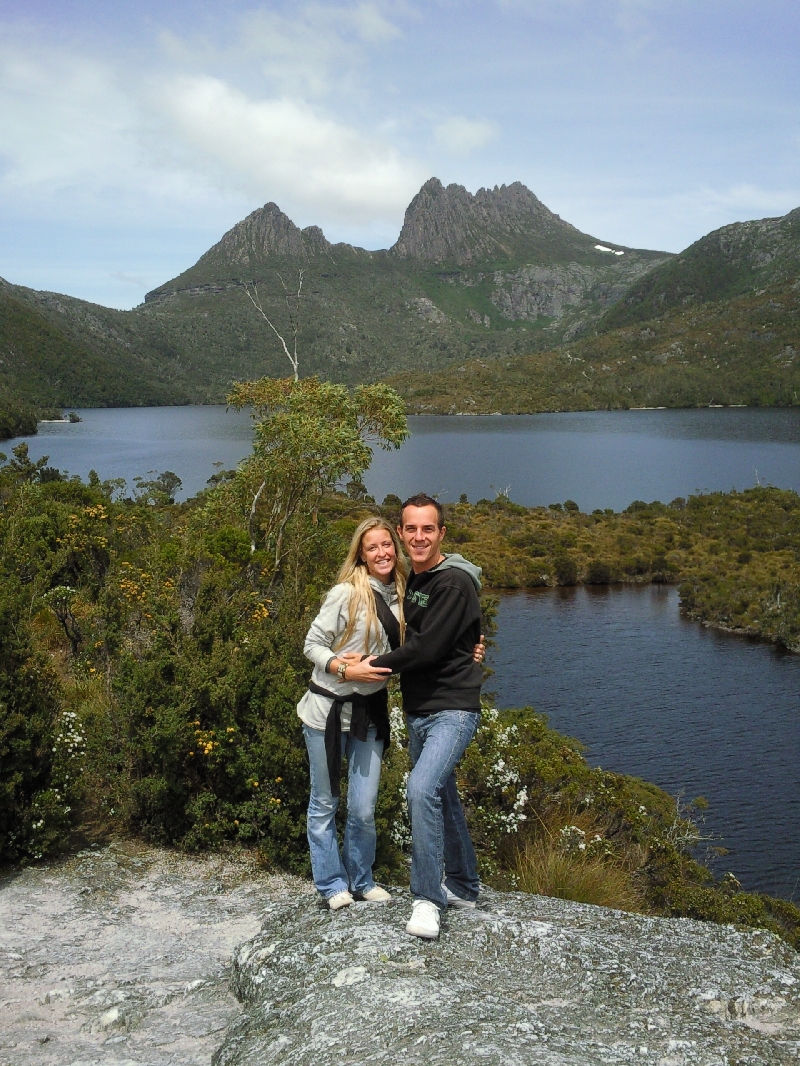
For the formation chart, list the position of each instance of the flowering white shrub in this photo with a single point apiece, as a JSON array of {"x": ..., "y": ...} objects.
[
  {"x": 51, "y": 808},
  {"x": 572, "y": 839}
]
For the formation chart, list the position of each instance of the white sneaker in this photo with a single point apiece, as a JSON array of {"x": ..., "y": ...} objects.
[
  {"x": 375, "y": 895},
  {"x": 341, "y": 899},
  {"x": 424, "y": 920},
  {"x": 456, "y": 901}
]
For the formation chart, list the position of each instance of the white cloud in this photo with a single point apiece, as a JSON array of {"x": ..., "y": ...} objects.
[
  {"x": 461, "y": 136},
  {"x": 82, "y": 138},
  {"x": 318, "y": 49},
  {"x": 72, "y": 138},
  {"x": 284, "y": 149}
]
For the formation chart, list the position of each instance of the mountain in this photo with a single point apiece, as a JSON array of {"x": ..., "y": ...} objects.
[
  {"x": 486, "y": 274},
  {"x": 486, "y": 301},
  {"x": 509, "y": 223},
  {"x": 743, "y": 351},
  {"x": 731, "y": 261},
  {"x": 60, "y": 352},
  {"x": 490, "y": 274}
]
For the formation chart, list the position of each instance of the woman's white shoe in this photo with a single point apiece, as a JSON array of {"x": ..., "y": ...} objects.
[
  {"x": 376, "y": 895},
  {"x": 424, "y": 920},
  {"x": 341, "y": 899}
]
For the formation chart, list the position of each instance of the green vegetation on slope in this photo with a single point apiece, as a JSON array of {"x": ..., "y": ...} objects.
[
  {"x": 735, "y": 554},
  {"x": 744, "y": 351},
  {"x": 41, "y": 365},
  {"x": 15, "y": 420},
  {"x": 730, "y": 262},
  {"x": 152, "y": 663}
]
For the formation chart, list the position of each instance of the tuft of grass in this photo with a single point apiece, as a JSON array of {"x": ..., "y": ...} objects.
[{"x": 541, "y": 867}]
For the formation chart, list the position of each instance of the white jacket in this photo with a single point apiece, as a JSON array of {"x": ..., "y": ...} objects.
[{"x": 326, "y": 628}]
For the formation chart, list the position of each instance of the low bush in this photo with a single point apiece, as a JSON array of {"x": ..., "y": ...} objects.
[{"x": 544, "y": 868}]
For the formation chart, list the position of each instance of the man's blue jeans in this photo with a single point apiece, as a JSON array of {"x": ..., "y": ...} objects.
[
  {"x": 440, "y": 841},
  {"x": 331, "y": 874}
]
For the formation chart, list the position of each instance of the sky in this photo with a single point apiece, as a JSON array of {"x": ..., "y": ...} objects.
[{"x": 133, "y": 134}]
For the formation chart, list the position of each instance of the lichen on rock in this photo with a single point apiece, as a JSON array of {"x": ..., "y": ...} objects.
[{"x": 523, "y": 979}]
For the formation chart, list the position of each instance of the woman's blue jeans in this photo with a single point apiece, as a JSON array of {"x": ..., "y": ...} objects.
[
  {"x": 440, "y": 842},
  {"x": 353, "y": 869}
]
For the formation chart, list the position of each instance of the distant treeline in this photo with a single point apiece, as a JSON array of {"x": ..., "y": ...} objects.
[
  {"x": 16, "y": 421},
  {"x": 744, "y": 351}
]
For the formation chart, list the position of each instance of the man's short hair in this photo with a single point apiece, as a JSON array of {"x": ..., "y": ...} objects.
[{"x": 422, "y": 499}]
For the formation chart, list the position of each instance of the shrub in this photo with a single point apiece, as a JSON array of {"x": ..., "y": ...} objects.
[
  {"x": 566, "y": 569},
  {"x": 35, "y": 786},
  {"x": 546, "y": 869},
  {"x": 598, "y": 573}
]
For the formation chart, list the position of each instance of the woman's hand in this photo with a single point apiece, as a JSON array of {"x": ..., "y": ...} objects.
[
  {"x": 479, "y": 652},
  {"x": 359, "y": 669}
]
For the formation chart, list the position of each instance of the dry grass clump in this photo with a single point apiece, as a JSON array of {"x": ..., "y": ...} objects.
[
  {"x": 545, "y": 869},
  {"x": 569, "y": 857}
]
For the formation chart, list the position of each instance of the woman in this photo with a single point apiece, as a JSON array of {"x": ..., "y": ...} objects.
[
  {"x": 351, "y": 719},
  {"x": 362, "y": 614}
]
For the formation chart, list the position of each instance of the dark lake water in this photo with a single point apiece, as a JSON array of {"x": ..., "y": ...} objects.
[
  {"x": 599, "y": 459},
  {"x": 649, "y": 693},
  {"x": 130, "y": 441},
  {"x": 693, "y": 710}
]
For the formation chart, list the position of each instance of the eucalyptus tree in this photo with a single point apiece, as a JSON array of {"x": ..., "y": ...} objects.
[{"x": 310, "y": 435}]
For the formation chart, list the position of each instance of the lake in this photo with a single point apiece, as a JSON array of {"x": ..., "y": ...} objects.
[
  {"x": 649, "y": 693},
  {"x": 598, "y": 458},
  {"x": 694, "y": 710}
]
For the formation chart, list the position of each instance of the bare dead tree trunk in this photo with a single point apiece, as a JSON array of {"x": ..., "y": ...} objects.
[
  {"x": 294, "y": 317},
  {"x": 251, "y": 523}
]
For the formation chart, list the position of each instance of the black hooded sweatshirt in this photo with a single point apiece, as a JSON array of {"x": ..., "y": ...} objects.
[{"x": 443, "y": 625}]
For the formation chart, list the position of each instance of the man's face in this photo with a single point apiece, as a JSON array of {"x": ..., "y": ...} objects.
[{"x": 422, "y": 537}]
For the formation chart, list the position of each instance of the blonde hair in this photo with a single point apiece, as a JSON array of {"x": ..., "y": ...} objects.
[{"x": 354, "y": 572}]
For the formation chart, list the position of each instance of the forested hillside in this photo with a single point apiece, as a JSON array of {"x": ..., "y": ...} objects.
[
  {"x": 43, "y": 365},
  {"x": 733, "y": 261},
  {"x": 739, "y": 351}
]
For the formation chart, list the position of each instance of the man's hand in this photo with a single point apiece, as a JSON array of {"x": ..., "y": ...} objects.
[
  {"x": 479, "y": 652},
  {"x": 359, "y": 669}
]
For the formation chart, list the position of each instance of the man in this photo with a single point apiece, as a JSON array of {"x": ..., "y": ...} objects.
[{"x": 441, "y": 686}]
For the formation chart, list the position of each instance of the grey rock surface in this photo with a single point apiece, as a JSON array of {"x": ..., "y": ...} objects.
[
  {"x": 120, "y": 956},
  {"x": 268, "y": 232},
  {"x": 524, "y": 980},
  {"x": 450, "y": 223}
]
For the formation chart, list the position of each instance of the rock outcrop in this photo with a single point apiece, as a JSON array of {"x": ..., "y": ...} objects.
[
  {"x": 523, "y": 980},
  {"x": 264, "y": 233},
  {"x": 453, "y": 225},
  {"x": 120, "y": 956}
]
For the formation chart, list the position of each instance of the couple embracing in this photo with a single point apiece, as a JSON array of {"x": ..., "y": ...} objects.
[{"x": 425, "y": 625}]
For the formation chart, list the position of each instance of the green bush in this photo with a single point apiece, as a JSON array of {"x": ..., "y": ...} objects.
[
  {"x": 598, "y": 573},
  {"x": 35, "y": 786},
  {"x": 566, "y": 569},
  {"x": 16, "y": 421}
]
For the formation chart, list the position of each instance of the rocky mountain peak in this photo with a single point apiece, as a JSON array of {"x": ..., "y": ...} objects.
[
  {"x": 451, "y": 224},
  {"x": 265, "y": 233}
]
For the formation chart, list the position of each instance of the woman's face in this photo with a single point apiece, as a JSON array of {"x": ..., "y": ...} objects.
[{"x": 377, "y": 551}]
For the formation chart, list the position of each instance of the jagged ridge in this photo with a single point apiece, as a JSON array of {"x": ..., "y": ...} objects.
[{"x": 507, "y": 222}]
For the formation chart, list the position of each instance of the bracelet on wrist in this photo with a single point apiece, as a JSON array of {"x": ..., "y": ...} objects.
[{"x": 341, "y": 671}]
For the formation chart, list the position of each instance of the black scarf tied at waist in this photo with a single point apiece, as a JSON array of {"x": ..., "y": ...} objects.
[{"x": 367, "y": 711}]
